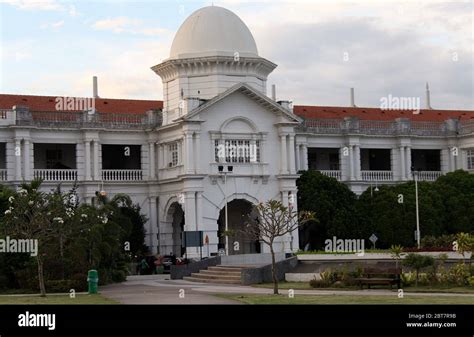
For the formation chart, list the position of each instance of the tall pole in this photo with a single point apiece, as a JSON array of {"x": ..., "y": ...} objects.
[
  {"x": 417, "y": 212},
  {"x": 226, "y": 216}
]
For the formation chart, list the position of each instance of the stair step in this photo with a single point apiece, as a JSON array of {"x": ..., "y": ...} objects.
[
  {"x": 220, "y": 272},
  {"x": 218, "y": 277},
  {"x": 223, "y": 269},
  {"x": 202, "y": 280}
]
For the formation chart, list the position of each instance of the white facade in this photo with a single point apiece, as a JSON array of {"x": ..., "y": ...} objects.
[{"x": 215, "y": 96}]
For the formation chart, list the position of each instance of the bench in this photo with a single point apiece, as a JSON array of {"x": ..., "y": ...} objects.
[{"x": 378, "y": 276}]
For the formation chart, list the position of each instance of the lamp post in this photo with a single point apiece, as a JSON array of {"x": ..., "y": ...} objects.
[
  {"x": 230, "y": 169},
  {"x": 415, "y": 177}
]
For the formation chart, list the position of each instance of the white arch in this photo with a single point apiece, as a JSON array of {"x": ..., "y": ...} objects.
[{"x": 245, "y": 120}]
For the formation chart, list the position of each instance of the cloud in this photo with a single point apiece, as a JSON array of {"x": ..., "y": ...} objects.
[
  {"x": 53, "y": 25},
  {"x": 124, "y": 24},
  {"x": 42, "y": 5}
]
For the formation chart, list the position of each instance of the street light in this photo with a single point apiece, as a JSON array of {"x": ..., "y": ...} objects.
[
  {"x": 230, "y": 169},
  {"x": 415, "y": 177}
]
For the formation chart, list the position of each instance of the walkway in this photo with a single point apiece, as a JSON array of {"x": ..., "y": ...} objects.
[{"x": 159, "y": 289}]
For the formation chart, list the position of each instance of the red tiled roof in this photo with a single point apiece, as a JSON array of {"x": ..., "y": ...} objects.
[
  {"x": 326, "y": 112},
  {"x": 134, "y": 106},
  {"x": 106, "y": 105}
]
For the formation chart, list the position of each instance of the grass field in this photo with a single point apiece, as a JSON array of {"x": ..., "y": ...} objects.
[
  {"x": 347, "y": 299},
  {"x": 306, "y": 286},
  {"x": 55, "y": 299}
]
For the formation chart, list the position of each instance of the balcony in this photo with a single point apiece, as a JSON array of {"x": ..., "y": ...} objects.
[
  {"x": 376, "y": 175},
  {"x": 332, "y": 174},
  {"x": 55, "y": 174},
  {"x": 405, "y": 127},
  {"x": 80, "y": 119},
  {"x": 122, "y": 175},
  {"x": 429, "y": 175}
]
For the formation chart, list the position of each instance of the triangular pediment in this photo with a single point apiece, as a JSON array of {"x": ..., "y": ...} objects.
[{"x": 253, "y": 94}]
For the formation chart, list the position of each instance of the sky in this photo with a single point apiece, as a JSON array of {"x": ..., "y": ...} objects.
[{"x": 322, "y": 48}]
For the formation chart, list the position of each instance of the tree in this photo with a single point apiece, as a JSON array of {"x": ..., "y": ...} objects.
[
  {"x": 396, "y": 252},
  {"x": 418, "y": 262},
  {"x": 31, "y": 216},
  {"x": 274, "y": 220},
  {"x": 333, "y": 202}
]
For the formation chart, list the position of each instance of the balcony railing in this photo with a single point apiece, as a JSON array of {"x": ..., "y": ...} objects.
[
  {"x": 429, "y": 175},
  {"x": 377, "y": 175},
  {"x": 375, "y": 127},
  {"x": 332, "y": 173},
  {"x": 81, "y": 119},
  {"x": 3, "y": 174},
  {"x": 122, "y": 175},
  {"x": 56, "y": 175}
]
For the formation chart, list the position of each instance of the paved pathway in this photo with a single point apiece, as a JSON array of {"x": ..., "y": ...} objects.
[{"x": 159, "y": 289}]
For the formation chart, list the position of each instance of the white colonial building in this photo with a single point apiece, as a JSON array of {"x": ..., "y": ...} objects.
[{"x": 216, "y": 112}]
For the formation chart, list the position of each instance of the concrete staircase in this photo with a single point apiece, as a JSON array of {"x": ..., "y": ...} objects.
[{"x": 217, "y": 274}]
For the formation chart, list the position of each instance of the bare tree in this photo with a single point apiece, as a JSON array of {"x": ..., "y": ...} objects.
[{"x": 273, "y": 220}]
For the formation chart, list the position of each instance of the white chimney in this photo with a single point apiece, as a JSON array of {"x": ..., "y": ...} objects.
[
  {"x": 274, "y": 92},
  {"x": 95, "y": 89},
  {"x": 428, "y": 98},
  {"x": 352, "y": 99}
]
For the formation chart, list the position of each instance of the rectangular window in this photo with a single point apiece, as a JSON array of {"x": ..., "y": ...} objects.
[
  {"x": 53, "y": 158},
  {"x": 470, "y": 159},
  {"x": 236, "y": 151},
  {"x": 173, "y": 154}
]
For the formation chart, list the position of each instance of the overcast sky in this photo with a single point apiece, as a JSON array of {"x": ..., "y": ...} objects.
[{"x": 322, "y": 48}]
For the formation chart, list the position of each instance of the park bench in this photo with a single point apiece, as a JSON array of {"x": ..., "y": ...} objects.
[{"x": 380, "y": 276}]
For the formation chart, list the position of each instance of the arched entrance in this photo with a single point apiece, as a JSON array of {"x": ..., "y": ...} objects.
[
  {"x": 239, "y": 213},
  {"x": 175, "y": 217}
]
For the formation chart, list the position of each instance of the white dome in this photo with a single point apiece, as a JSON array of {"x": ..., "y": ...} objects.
[{"x": 213, "y": 31}]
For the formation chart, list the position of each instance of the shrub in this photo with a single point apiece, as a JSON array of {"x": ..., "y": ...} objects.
[
  {"x": 471, "y": 281},
  {"x": 418, "y": 262},
  {"x": 314, "y": 283},
  {"x": 458, "y": 275},
  {"x": 64, "y": 286},
  {"x": 407, "y": 279}
]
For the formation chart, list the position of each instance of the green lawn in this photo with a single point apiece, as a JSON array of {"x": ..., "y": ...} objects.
[
  {"x": 56, "y": 299},
  {"x": 347, "y": 299},
  {"x": 306, "y": 286}
]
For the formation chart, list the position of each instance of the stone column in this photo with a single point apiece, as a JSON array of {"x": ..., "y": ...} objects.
[
  {"x": 189, "y": 153},
  {"x": 96, "y": 160},
  {"x": 26, "y": 159},
  {"x": 180, "y": 152},
  {"x": 283, "y": 160},
  {"x": 402, "y": 163},
  {"x": 305, "y": 157},
  {"x": 153, "y": 226},
  {"x": 357, "y": 164},
  {"x": 87, "y": 158},
  {"x": 351, "y": 162},
  {"x": 18, "y": 171},
  {"x": 151, "y": 158},
  {"x": 197, "y": 147},
  {"x": 199, "y": 211},
  {"x": 408, "y": 162},
  {"x": 292, "y": 154},
  {"x": 298, "y": 158}
]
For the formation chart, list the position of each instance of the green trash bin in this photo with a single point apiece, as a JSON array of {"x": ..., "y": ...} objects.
[{"x": 93, "y": 280}]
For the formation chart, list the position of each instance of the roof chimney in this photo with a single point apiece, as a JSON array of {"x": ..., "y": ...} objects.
[
  {"x": 428, "y": 98},
  {"x": 95, "y": 89},
  {"x": 274, "y": 92},
  {"x": 352, "y": 98}
]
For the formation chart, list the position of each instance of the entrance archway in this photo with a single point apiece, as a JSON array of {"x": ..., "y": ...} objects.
[
  {"x": 239, "y": 212},
  {"x": 175, "y": 217}
]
